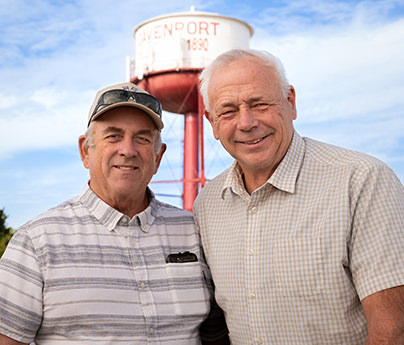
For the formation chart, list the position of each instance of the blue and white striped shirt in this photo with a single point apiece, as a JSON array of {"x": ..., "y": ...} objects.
[{"x": 84, "y": 273}]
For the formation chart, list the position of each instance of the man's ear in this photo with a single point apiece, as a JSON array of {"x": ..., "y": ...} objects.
[
  {"x": 83, "y": 149},
  {"x": 159, "y": 156},
  {"x": 210, "y": 119},
  {"x": 292, "y": 101}
]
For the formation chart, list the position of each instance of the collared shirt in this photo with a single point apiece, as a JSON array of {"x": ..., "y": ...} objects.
[
  {"x": 292, "y": 261},
  {"x": 84, "y": 273}
]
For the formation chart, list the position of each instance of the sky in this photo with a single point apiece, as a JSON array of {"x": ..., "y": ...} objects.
[{"x": 344, "y": 58}]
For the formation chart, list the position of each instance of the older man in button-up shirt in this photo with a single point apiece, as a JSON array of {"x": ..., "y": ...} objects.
[{"x": 305, "y": 241}]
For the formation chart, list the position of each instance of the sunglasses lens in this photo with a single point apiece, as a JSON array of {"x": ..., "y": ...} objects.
[
  {"x": 115, "y": 96},
  {"x": 148, "y": 101}
]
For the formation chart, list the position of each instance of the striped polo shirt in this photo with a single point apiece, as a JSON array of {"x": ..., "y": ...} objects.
[{"x": 85, "y": 273}]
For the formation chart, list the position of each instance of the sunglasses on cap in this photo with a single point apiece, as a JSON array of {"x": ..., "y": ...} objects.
[{"x": 118, "y": 96}]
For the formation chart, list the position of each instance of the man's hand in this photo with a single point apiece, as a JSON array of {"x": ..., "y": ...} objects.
[{"x": 8, "y": 341}]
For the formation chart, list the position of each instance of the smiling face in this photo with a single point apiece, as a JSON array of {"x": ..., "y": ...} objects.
[
  {"x": 251, "y": 117},
  {"x": 122, "y": 158}
]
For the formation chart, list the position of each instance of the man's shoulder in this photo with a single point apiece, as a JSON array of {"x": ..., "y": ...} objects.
[
  {"x": 212, "y": 191},
  {"x": 330, "y": 154},
  {"x": 66, "y": 210},
  {"x": 215, "y": 186},
  {"x": 166, "y": 210}
]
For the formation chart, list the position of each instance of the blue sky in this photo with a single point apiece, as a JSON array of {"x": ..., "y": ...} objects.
[{"x": 345, "y": 59}]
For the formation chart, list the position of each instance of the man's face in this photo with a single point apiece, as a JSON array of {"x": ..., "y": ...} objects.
[
  {"x": 123, "y": 159},
  {"x": 250, "y": 116}
]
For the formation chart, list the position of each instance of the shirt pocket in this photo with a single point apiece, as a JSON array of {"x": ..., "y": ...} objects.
[
  {"x": 299, "y": 267},
  {"x": 188, "y": 288}
]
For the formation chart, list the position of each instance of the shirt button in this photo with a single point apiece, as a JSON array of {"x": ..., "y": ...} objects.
[
  {"x": 251, "y": 252},
  {"x": 254, "y": 210},
  {"x": 259, "y": 341},
  {"x": 132, "y": 243},
  {"x": 144, "y": 227},
  {"x": 142, "y": 285},
  {"x": 124, "y": 220},
  {"x": 151, "y": 330},
  {"x": 252, "y": 295}
]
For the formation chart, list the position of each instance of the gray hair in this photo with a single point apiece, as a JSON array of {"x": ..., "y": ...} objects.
[
  {"x": 89, "y": 141},
  {"x": 237, "y": 54}
]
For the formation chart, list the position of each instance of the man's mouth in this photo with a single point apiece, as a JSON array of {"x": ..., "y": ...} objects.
[
  {"x": 125, "y": 167},
  {"x": 252, "y": 142}
]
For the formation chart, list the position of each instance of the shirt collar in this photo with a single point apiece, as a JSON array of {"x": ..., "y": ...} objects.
[
  {"x": 286, "y": 174},
  {"x": 283, "y": 178},
  {"x": 110, "y": 217},
  {"x": 146, "y": 217}
]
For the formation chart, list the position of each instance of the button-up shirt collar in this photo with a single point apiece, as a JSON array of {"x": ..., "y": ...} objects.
[
  {"x": 110, "y": 217},
  {"x": 284, "y": 177}
]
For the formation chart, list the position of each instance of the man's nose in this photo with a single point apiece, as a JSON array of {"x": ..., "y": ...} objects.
[
  {"x": 246, "y": 119},
  {"x": 128, "y": 148}
]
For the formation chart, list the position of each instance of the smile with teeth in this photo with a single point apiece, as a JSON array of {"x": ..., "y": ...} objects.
[
  {"x": 123, "y": 167},
  {"x": 253, "y": 141}
]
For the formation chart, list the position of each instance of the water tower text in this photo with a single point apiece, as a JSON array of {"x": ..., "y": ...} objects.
[{"x": 198, "y": 30}]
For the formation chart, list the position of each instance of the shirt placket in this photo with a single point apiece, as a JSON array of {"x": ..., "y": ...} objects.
[
  {"x": 252, "y": 270},
  {"x": 139, "y": 268}
]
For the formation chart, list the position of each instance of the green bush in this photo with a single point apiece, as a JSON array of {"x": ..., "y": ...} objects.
[{"x": 5, "y": 232}]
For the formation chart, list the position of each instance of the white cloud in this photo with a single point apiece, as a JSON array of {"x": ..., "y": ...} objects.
[
  {"x": 48, "y": 97},
  {"x": 7, "y": 101},
  {"x": 47, "y": 120}
]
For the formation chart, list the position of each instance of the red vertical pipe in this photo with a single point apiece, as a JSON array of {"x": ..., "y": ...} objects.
[
  {"x": 191, "y": 167},
  {"x": 201, "y": 113}
]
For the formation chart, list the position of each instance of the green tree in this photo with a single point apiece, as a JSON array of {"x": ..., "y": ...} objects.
[{"x": 5, "y": 232}]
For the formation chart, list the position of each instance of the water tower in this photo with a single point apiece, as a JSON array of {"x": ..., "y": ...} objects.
[{"x": 171, "y": 51}]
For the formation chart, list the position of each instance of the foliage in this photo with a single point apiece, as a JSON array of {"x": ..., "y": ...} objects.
[{"x": 5, "y": 232}]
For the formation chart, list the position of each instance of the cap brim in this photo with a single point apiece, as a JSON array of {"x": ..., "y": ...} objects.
[{"x": 156, "y": 119}]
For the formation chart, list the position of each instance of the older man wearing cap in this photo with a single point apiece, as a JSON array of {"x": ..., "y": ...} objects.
[{"x": 113, "y": 265}]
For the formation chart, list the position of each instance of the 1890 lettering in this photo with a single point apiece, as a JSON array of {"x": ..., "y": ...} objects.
[{"x": 198, "y": 44}]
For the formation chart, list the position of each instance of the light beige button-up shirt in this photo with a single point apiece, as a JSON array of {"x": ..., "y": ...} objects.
[{"x": 292, "y": 261}]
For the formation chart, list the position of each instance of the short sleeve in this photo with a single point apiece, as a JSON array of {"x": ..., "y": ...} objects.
[
  {"x": 20, "y": 289},
  {"x": 377, "y": 243}
]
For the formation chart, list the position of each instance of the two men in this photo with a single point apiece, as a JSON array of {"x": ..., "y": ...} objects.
[
  {"x": 113, "y": 265},
  {"x": 305, "y": 241}
]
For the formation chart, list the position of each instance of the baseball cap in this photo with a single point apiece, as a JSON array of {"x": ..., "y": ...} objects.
[{"x": 126, "y": 94}]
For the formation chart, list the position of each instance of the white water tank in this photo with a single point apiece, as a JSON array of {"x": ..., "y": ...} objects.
[{"x": 188, "y": 40}]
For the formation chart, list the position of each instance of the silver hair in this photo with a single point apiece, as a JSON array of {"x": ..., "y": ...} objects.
[
  {"x": 89, "y": 141},
  {"x": 237, "y": 54}
]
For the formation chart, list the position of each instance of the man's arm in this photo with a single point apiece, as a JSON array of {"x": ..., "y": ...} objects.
[
  {"x": 384, "y": 311},
  {"x": 8, "y": 341}
]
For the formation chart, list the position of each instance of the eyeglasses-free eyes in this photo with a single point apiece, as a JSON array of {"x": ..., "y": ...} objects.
[{"x": 117, "y": 96}]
